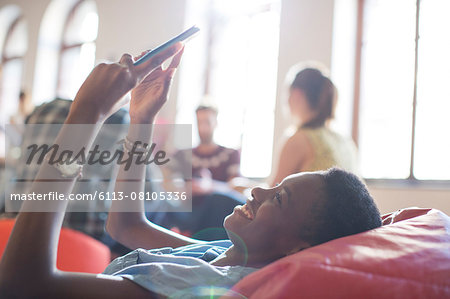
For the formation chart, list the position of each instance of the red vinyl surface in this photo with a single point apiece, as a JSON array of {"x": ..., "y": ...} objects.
[
  {"x": 408, "y": 257},
  {"x": 77, "y": 252}
]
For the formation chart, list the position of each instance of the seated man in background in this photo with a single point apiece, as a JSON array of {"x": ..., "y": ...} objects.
[
  {"x": 304, "y": 210},
  {"x": 213, "y": 166}
]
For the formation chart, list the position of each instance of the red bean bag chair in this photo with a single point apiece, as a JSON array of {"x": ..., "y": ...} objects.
[
  {"x": 408, "y": 257},
  {"x": 77, "y": 252}
]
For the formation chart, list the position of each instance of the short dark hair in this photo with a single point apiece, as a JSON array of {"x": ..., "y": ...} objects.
[{"x": 346, "y": 208}]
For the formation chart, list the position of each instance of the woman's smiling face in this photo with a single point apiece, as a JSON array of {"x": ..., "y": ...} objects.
[{"x": 269, "y": 224}]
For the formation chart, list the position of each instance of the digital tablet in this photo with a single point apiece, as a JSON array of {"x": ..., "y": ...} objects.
[{"x": 184, "y": 36}]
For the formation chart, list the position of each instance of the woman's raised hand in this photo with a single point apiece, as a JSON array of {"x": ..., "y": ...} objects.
[
  {"x": 150, "y": 95},
  {"x": 102, "y": 93}
]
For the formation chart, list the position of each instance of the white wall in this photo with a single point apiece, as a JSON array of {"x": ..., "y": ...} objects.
[
  {"x": 306, "y": 34},
  {"x": 391, "y": 199}
]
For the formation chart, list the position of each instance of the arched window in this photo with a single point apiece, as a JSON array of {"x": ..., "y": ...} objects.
[
  {"x": 77, "y": 54},
  {"x": 13, "y": 48},
  {"x": 13, "y": 45},
  {"x": 66, "y": 49}
]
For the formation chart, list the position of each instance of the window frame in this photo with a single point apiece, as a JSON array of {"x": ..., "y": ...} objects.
[
  {"x": 64, "y": 46},
  {"x": 5, "y": 59},
  {"x": 411, "y": 180}
]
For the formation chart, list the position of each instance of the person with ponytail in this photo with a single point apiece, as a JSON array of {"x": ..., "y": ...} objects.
[{"x": 314, "y": 146}]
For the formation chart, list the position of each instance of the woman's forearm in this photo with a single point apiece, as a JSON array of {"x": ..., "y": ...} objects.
[
  {"x": 126, "y": 213},
  {"x": 127, "y": 222},
  {"x": 28, "y": 266},
  {"x": 32, "y": 229}
]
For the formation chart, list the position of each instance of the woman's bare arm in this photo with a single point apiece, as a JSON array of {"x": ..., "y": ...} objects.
[
  {"x": 294, "y": 155},
  {"x": 28, "y": 267},
  {"x": 127, "y": 222}
]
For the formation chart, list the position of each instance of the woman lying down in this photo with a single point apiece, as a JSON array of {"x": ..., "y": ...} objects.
[{"x": 304, "y": 210}]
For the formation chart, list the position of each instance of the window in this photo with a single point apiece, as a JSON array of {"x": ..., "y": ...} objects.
[
  {"x": 401, "y": 89},
  {"x": 234, "y": 62},
  {"x": 387, "y": 87},
  {"x": 66, "y": 49},
  {"x": 13, "y": 46},
  {"x": 12, "y": 56},
  {"x": 78, "y": 48},
  {"x": 432, "y": 130}
]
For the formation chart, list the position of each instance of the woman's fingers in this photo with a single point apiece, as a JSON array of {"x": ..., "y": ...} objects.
[
  {"x": 126, "y": 59},
  {"x": 169, "y": 76},
  {"x": 176, "y": 59},
  {"x": 136, "y": 58},
  {"x": 142, "y": 70}
]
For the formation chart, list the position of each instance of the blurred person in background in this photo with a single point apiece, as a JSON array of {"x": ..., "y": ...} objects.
[
  {"x": 212, "y": 166},
  {"x": 314, "y": 146}
]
